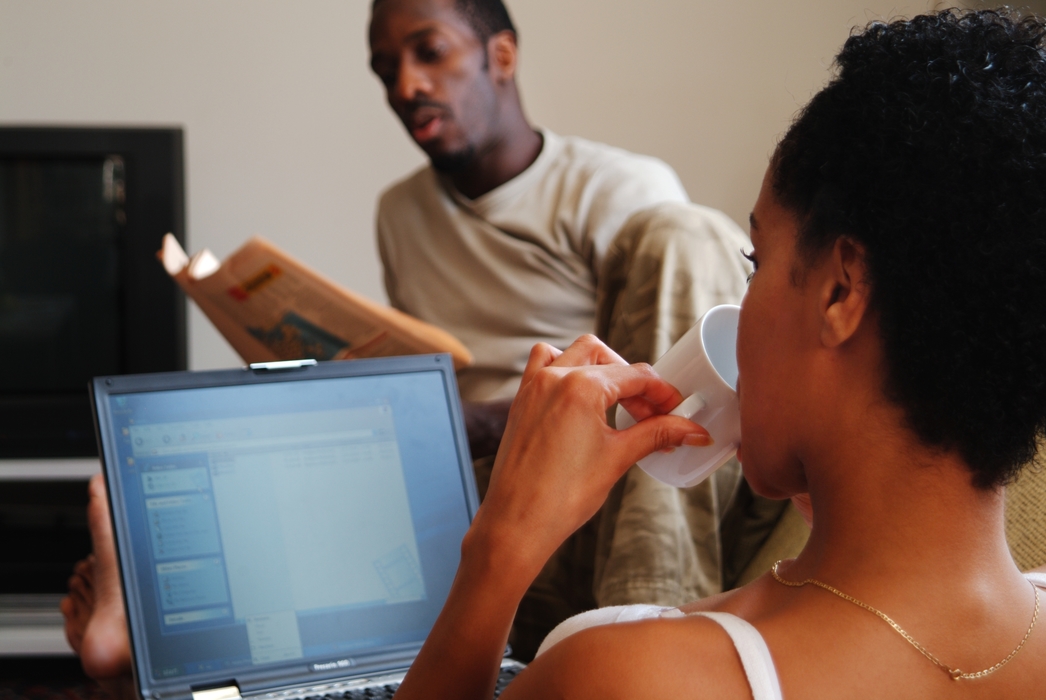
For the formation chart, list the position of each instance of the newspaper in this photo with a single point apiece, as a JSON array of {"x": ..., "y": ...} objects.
[{"x": 271, "y": 307}]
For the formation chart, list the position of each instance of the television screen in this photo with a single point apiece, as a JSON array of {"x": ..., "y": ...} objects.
[
  {"x": 60, "y": 305},
  {"x": 82, "y": 213}
]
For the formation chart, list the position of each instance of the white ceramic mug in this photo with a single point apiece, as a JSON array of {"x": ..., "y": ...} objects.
[{"x": 703, "y": 366}]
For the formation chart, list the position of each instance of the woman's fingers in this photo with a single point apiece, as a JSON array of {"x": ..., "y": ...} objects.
[
  {"x": 588, "y": 350},
  {"x": 640, "y": 390},
  {"x": 644, "y": 394},
  {"x": 662, "y": 399},
  {"x": 654, "y": 434},
  {"x": 558, "y": 397},
  {"x": 541, "y": 356},
  {"x": 638, "y": 386}
]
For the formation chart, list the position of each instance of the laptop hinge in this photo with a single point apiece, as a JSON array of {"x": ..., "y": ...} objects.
[{"x": 228, "y": 692}]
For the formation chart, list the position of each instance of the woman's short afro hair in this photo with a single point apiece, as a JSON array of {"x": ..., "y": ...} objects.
[{"x": 928, "y": 148}]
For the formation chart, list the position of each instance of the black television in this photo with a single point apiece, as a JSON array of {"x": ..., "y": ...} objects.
[{"x": 82, "y": 214}]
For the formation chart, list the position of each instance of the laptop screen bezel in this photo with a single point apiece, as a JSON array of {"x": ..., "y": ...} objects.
[{"x": 251, "y": 680}]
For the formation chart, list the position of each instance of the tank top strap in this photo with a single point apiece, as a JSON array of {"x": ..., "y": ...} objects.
[
  {"x": 755, "y": 655},
  {"x": 1036, "y": 578}
]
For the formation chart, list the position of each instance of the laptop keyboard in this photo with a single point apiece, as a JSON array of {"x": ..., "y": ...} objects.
[{"x": 389, "y": 689}]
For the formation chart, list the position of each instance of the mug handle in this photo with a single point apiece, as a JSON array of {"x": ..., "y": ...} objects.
[{"x": 688, "y": 407}]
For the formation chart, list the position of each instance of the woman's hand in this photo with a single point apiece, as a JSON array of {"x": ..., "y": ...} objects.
[
  {"x": 557, "y": 462},
  {"x": 559, "y": 458}
]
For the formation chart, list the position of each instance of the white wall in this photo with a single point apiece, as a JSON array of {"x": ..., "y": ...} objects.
[{"x": 288, "y": 136}]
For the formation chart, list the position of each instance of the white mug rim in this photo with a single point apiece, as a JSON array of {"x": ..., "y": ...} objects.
[{"x": 715, "y": 311}]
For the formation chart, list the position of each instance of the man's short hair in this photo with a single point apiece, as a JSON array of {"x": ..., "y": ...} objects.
[{"x": 486, "y": 17}]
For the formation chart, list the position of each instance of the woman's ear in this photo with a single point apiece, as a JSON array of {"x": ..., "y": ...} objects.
[
  {"x": 845, "y": 293},
  {"x": 503, "y": 56}
]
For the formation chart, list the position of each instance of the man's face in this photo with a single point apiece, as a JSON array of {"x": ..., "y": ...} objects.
[{"x": 436, "y": 77}]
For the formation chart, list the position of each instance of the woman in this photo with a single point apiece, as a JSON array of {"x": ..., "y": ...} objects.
[{"x": 892, "y": 356}]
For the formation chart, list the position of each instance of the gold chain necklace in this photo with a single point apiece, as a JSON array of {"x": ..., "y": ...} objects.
[{"x": 956, "y": 674}]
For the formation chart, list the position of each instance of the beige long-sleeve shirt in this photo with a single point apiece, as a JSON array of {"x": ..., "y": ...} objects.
[{"x": 518, "y": 265}]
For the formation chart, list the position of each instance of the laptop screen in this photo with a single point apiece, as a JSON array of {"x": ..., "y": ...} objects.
[{"x": 305, "y": 524}]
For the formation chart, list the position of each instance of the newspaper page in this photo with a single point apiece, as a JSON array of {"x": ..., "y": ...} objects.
[{"x": 271, "y": 307}]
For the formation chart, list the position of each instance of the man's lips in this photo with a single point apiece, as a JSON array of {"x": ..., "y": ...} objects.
[
  {"x": 426, "y": 129},
  {"x": 425, "y": 122}
]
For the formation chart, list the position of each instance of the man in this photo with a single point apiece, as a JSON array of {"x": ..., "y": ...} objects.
[{"x": 499, "y": 240}]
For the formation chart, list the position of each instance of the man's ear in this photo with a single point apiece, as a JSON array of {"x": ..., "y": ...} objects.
[
  {"x": 846, "y": 292},
  {"x": 503, "y": 55}
]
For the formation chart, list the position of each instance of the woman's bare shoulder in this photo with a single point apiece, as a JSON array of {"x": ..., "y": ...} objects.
[
  {"x": 750, "y": 601},
  {"x": 679, "y": 657}
]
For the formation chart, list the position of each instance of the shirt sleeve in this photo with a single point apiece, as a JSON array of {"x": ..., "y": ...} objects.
[
  {"x": 617, "y": 190},
  {"x": 385, "y": 251}
]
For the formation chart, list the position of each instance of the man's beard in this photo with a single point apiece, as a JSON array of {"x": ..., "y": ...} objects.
[{"x": 450, "y": 163}]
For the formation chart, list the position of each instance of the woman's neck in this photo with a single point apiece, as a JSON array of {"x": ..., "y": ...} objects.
[{"x": 885, "y": 508}]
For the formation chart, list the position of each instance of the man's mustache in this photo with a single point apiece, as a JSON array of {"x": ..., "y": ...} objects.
[{"x": 411, "y": 108}]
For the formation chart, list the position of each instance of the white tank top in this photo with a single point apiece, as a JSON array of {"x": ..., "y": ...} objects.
[{"x": 755, "y": 655}]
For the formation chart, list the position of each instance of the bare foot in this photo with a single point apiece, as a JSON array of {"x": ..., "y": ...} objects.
[
  {"x": 78, "y": 605},
  {"x": 95, "y": 623}
]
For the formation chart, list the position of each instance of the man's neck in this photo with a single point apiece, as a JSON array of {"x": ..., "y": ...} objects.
[{"x": 505, "y": 158}]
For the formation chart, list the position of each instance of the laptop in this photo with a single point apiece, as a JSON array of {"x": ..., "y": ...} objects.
[{"x": 288, "y": 530}]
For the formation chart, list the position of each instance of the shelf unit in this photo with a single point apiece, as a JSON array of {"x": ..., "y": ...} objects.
[{"x": 31, "y": 623}]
